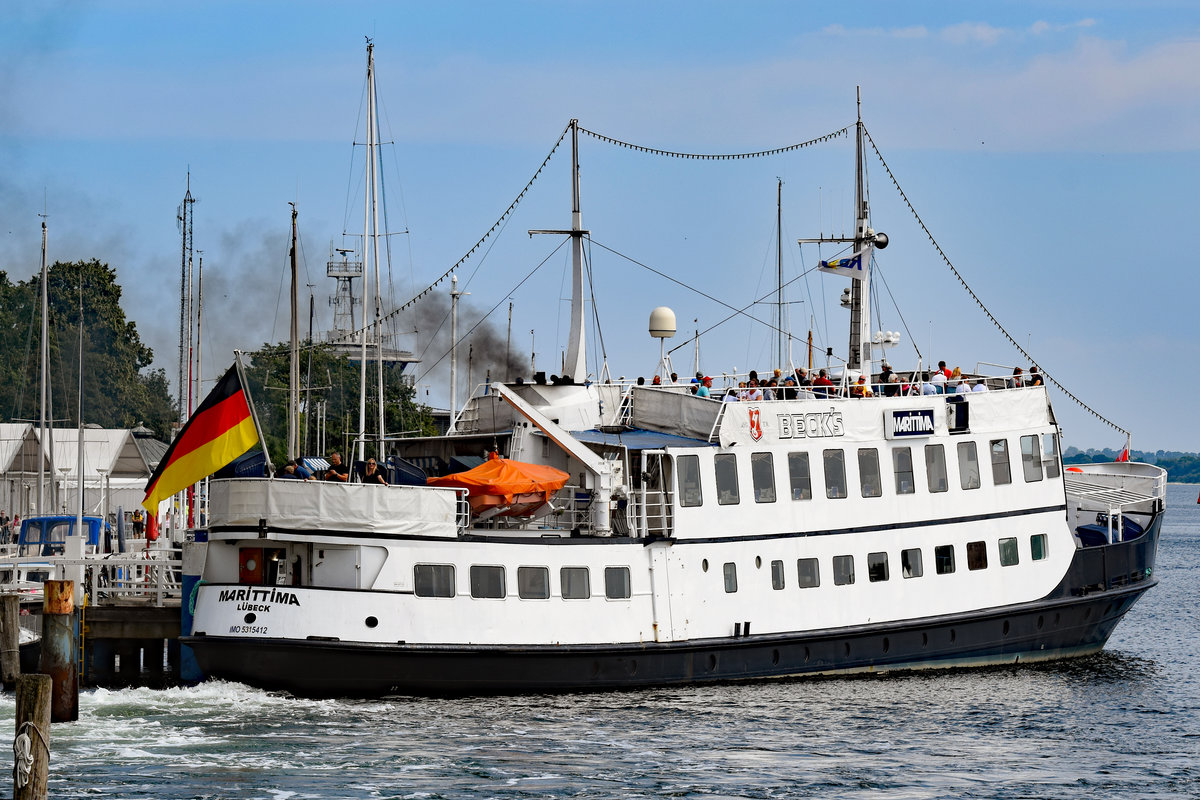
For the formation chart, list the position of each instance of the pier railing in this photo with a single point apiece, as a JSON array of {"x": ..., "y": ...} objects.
[{"x": 141, "y": 578}]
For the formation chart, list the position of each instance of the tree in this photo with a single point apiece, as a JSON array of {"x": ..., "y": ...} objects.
[
  {"x": 116, "y": 391},
  {"x": 335, "y": 382}
]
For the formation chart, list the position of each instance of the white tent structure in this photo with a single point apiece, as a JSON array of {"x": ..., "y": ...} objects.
[{"x": 115, "y": 469}]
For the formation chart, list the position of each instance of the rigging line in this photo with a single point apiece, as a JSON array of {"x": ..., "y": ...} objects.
[
  {"x": 587, "y": 261},
  {"x": 491, "y": 310},
  {"x": 899, "y": 313},
  {"x": 736, "y": 312},
  {"x": 716, "y": 156},
  {"x": 507, "y": 213},
  {"x": 975, "y": 297},
  {"x": 681, "y": 283}
]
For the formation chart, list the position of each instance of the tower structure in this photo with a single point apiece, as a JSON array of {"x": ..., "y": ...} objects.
[{"x": 184, "y": 219}]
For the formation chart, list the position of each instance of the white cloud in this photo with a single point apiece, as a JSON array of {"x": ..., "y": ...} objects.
[
  {"x": 972, "y": 33},
  {"x": 1042, "y": 27}
]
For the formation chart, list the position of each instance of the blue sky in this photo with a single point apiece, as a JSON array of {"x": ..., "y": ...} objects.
[{"x": 1050, "y": 147}]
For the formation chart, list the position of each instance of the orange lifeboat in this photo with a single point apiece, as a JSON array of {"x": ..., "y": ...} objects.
[{"x": 502, "y": 487}]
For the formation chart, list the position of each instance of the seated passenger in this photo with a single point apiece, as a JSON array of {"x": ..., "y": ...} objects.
[
  {"x": 1017, "y": 380},
  {"x": 373, "y": 475},
  {"x": 860, "y": 388},
  {"x": 980, "y": 386}
]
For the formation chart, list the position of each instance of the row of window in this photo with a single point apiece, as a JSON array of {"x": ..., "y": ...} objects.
[
  {"x": 1036, "y": 463},
  {"x": 533, "y": 583},
  {"x": 808, "y": 570}
]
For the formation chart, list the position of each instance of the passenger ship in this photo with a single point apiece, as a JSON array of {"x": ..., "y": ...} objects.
[{"x": 696, "y": 541}]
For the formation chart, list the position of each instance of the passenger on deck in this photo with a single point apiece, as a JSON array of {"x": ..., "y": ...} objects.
[
  {"x": 942, "y": 368},
  {"x": 939, "y": 382},
  {"x": 860, "y": 388},
  {"x": 1035, "y": 377},
  {"x": 771, "y": 390},
  {"x": 657, "y": 381},
  {"x": 963, "y": 387},
  {"x": 705, "y": 389},
  {"x": 337, "y": 472},
  {"x": 802, "y": 378},
  {"x": 373, "y": 475},
  {"x": 287, "y": 470},
  {"x": 821, "y": 384},
  {"x": 753, "y": 393},
  {"x": 980, "y": 386},
  {"x": 731, "y": 395},
  {"x": 928, "y": 387},
  {"x": 1017, "y": 380},
  {"x": 885, "y": 372},
  {"x": 674, "y": 377}
]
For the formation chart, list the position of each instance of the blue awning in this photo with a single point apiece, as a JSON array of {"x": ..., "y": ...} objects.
[{"x": 637, "y": 439}]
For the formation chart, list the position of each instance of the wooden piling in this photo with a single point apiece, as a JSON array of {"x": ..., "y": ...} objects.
[
  {"x": 59, "y": 649},
  {"x": 33, "y": 707},
  {"x": 10, "y": 639}
]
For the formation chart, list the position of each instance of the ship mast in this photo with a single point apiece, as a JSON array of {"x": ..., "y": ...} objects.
[
  {"x": 575, "y": 363},
  {"x": 865, "y": 240},
  {"x": 46, "y": 500},
  {"x": 293, "y": 420},
  {"x": 371, "y": 233}
]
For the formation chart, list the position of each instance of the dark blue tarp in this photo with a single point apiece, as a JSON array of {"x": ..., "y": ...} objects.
[{"x": 638, "y": 439}]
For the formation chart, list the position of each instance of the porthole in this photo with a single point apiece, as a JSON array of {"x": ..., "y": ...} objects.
[
  {"x": 251, "y": 565},
  {"x": 250, "y": 618},
  {"x": 758, "y": 562},
  {"x": 704, "y": 565},
  {"x": 372, "y": 622}
]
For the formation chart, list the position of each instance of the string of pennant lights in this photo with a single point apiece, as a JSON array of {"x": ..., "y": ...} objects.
[
  {"x": 716, "y": 156},
  {"x": 978, "y": 301},
  {"x": 350, "y": 336}
]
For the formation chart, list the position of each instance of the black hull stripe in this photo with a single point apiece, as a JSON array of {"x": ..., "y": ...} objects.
[
  {"x": 1030, "y": 632},
  {"x": 612, "y": 540}
]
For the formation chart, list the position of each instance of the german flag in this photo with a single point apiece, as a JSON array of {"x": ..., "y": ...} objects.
[{"x": 219, "y": 431}]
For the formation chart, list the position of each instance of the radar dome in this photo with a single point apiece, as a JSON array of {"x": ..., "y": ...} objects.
[{"x": 662, "y": 323}]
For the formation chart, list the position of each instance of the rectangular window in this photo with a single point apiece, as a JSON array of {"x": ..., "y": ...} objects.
[
  {"x": 976, "y": 555},
  {"x": 800, "y": 476},
  {"x": 727, "y": 482},
  {"x": 943, "y": 559},
  {"x": 835, "y": 474},
  {"x": 1008, "y": 552},
  {"x": 1037, "y": 547},
  {"x": 935, "y": 467},
  {"x": 574, "y": 584},
  {"x": 689, "y": 480},
  {"x": 762, "y": 472},
  {"x": 1031, "y": 458},
  {"x": 968, "y": 466},
  {"x": 1050, "y": 454},
  {"x": 808, "y": 573},
  {"x": 533, "y": 583},
  {"x": 868, "y": 472},
  {"x": 843, "y": 570},
  {"x": 776, "y": 574},
  {"x": 910, "y": 563},
  {"x": 902, "y": 460},
  {"x": 1001, "y": 472},
  {"x": 487, "y": 582},
  {"x": 877, "y": 567},
  {"x": 433, "y": 580},
  {"x": 616, "y": 583},
  {"x": 730, "y": 571}
]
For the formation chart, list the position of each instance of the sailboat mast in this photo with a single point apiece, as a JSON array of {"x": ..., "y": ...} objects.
[
  {"x": 293, "y": 427},
  {"x": 79, "y": 532},
  {"x": 373, "y": 113},
  {"x": 362, "y": 384},
  {"x": 46, "y": 494}
]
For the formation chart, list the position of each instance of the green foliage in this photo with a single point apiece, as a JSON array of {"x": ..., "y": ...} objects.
[
  {"x": 116, "y": 392},
  {"x": 1180, "y": 467},
  {"x": 336, "y": 383}
]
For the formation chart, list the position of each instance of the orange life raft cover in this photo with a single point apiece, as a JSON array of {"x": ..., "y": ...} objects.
[{"x": 502, "y": 481}]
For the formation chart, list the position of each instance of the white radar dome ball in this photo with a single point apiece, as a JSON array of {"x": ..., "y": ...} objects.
[{"x": 662, "y": 323}]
